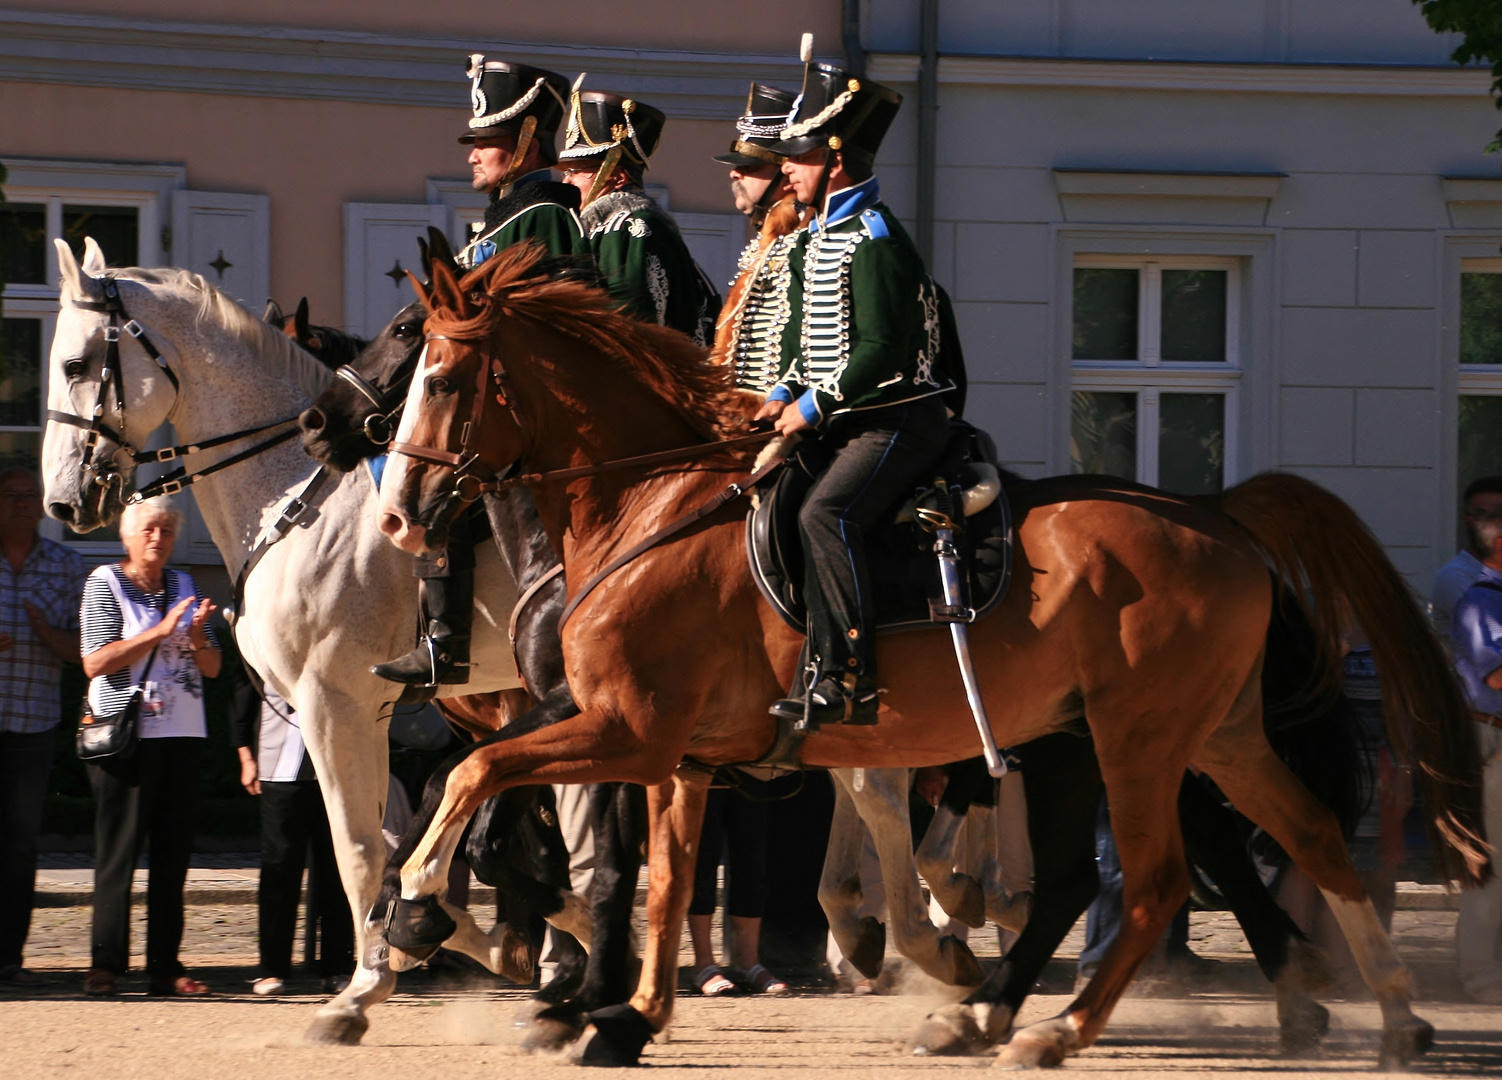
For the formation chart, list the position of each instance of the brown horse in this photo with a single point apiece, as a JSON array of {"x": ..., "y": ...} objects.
[{"x": 1143, "y": 612}]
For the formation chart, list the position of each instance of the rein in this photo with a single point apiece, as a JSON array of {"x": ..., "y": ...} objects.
[{"x": 94, "y": 424}]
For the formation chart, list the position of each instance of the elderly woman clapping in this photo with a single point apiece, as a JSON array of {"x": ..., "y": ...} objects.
[{"x": 143, "y": 625}]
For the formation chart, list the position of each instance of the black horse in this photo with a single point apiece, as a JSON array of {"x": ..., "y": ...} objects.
[{"x": 514, "y": 842}]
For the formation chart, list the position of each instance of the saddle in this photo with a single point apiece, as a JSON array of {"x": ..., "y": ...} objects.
[{"x": 900, "y": 554}]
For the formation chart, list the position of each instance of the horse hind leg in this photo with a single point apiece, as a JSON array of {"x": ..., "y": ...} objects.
[
  {"x": 862, "y": 941},
  {"x": 1263, "y": 788}
]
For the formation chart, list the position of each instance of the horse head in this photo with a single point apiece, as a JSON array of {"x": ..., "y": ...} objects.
[{"x": 106, "y": 392}]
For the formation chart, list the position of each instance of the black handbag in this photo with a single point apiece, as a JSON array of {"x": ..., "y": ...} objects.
[{"x": 113, "y": 736}]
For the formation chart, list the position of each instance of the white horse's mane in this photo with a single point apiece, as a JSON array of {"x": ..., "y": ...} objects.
[{"x": 279, "y": 354}]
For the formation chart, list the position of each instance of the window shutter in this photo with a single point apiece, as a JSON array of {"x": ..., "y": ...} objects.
[
  {"x": 227, "y": 239},
  {"x": 716, "y": 242},
  {"x": 380, "y": 244}
]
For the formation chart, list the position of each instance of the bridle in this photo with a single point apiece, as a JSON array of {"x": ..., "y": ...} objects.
[
  {"x": 473, "y": 478},
  {"x": 98, "y": 468},
  {"x": 378, "y": 426}
]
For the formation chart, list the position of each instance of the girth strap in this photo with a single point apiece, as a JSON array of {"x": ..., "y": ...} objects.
[
  {"x": 734, "y": 491},
  {"x": 526, "y": 598}
]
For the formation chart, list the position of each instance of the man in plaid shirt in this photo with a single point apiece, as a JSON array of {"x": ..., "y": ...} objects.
[{"x": 40, "y": 586}]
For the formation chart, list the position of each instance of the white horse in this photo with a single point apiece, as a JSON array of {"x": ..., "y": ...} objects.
[{"x": 323, "y": 604}]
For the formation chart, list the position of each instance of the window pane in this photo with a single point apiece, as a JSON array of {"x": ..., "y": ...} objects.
[
  {"x": 23, "y": 448},
  {"x": 1192, "y": 443},
  {"x": 1103, "y": 434},
  {"x": 1194, "y": 315},
  {"x": 1480, "y": 438},
  {"x": 23, "y": 244},
  {"x": 20, "y": 372},
  {"x": 114, "y": 228},
  {"x": 1105, "y": 314},
  {"x": 1481, "y": 318}
]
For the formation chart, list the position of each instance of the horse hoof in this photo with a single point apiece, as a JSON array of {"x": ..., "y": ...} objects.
[
  {"x": 1043, "y": 1045},
  {"x": 614, "y": 1038},
  {"x": 402, "y": 960},
  {"x": 952, "y": 1031},
  {"x": 418, "y": 927},
  {"x": 552, "y": 1030},
  {"x": 1301, "y": 1029},
  {"x": 870, "y": 951},
  {"x": 338, "y": 1029},
  {"x": 1404, "y": 1042},
  {"x": 971, "y": 909},
  {"x": 965, "y": 969}
]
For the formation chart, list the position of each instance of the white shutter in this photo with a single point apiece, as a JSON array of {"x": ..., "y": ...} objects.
[
  {"x": 380, "y": 242},
  {"x": 227, "y": 239},
  {"x": 716, "y": 242}
]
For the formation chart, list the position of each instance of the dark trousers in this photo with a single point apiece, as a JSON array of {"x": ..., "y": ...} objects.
[
  {"x": 25, "y": 765},
  {"x": 735, "y": 832},
  {"x": 153, "y": 798},
  {"x": 876, "y": 459},
  {"x": 293, "y": 823},
  {"x": 1103, "y": 919}
]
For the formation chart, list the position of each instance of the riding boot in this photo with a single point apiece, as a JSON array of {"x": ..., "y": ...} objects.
[
  {"x": 851, "y": 700},
  {"x": 442, "y": 655}
]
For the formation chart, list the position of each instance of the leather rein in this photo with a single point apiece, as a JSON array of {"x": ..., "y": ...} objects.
[
  {"x": 472, "y": 478},
  {"x": 94, "y": 464}
]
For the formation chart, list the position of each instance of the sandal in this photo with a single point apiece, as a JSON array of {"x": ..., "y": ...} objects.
[
  {"x": 268, "y": 986},
  {"x": 710, "y": 981},
  {"x": 761, "y": 981},
  {"x": 99, "y": 982},
  {"x": 182, "y": 986}
]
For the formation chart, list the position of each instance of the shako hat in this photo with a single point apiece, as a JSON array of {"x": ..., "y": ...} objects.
[
  {"x": 838, "y": 110},
  {"x": 600, "y": 122},
  {"x": 503, "y": 95},
  {"x": 760, "y": 129}
]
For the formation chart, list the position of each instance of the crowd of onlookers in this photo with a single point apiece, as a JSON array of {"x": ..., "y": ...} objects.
[{"x": 142, "y": 633}]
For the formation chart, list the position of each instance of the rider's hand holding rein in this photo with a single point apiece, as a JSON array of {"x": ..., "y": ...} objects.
[{"x": 789, "y": 418}]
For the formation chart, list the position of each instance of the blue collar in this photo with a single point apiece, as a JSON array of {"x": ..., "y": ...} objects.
[{"x": 848, "y": 202}]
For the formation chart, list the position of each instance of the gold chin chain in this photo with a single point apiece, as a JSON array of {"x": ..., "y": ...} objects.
[
  {"x": 523, "y": 144},
  {"x": 603, "y": 175}
]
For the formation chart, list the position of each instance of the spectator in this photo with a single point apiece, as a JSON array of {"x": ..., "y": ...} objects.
[
  {"x": 1482, "y": 497},
  {"x": 131, "y": 609},
  {"x": 735, "y": 830},
  {"x": 40, "y": 582},
  {"x": 1476, "y": 634},
  {"x": 275, "y": 765}
]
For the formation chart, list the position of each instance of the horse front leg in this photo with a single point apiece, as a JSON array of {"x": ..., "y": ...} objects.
[
  {"x": 675, "y": 814},
  {"x": 882, "y": 803},
  {"x": 352, "y": 767},
  {"x": 861, "y": 940}
]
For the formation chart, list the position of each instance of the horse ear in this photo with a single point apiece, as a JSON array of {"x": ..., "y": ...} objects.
[
  {"x": 71, "y": 277},
  {"x": 93, "y": 257},
  {"x": 273, "y": 314},
  {"x": 445, "y": 292},
  {"x": 300, "y": 320},
  {"x": 438, "y": 248},
  {"x": 422, "y": 250}
]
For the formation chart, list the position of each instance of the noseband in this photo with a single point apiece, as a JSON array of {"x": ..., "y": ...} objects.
[{"x": 380, "y": 425}]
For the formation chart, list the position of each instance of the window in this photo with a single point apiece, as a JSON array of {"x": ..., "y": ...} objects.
[
  {"x": 1479, "y": 427},
  {"x": 1155, "y": 370}
]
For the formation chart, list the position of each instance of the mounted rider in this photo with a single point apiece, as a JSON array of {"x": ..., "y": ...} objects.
[
  {"x": 862, "y": 369},
  {"x": 637, "y": 246},
  {"x": 748, "y": 334},
  {"x": 513, "y": 132}
]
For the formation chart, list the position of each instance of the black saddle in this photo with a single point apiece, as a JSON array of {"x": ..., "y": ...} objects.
[{"x": 900, "y": 554}]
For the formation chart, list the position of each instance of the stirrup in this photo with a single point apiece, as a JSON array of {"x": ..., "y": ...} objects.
[{"x": 404, "y": 668}]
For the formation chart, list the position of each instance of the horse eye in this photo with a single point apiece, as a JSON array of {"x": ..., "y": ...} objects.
[
  {"x": 407, "y": 329},
  {"x": 74, "y": 369},
  {"x": 437, "y": 385}
]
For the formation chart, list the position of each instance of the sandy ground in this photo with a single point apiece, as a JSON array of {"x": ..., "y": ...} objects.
[{"x": 460, "y": 1026}]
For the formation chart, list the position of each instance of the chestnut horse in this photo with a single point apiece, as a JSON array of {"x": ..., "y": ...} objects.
[{"x": 1144, "y": 612}]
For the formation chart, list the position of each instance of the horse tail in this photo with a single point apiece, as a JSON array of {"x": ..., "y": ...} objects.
[{"x": 1330, "y": 561}]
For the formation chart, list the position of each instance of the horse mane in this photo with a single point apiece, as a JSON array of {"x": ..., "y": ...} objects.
[
  {"x": 521, "y": 282},
  {"x": 278, "y": 354}
]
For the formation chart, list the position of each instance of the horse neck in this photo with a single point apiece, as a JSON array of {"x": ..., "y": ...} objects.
[{"x": 225, "y": 387}]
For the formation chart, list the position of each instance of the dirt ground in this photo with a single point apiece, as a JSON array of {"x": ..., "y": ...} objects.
[{"x": 460, "y": 1025}]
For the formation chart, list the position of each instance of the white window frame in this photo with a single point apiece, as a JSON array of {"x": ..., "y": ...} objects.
[
  {"x": 1476, "y": 380},
  {"x": 1149, "y": 376},
  {"x": 55, "y": 184}
]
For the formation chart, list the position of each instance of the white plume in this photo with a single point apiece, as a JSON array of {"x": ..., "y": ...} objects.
[{"x": 806, "y": 48}]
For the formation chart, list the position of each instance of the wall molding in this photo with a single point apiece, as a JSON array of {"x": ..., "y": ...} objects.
[
  {"x": 1376, "y": 80},
  {"x": 344, "y": 65}
]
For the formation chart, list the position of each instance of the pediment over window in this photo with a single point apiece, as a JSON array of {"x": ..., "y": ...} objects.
[{"x": 1142, "y": 197}]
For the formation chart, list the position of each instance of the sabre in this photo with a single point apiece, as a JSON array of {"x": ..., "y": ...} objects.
[{"x": 942, "y": 525}]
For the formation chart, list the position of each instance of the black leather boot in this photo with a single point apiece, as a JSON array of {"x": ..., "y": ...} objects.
[
  {"x": 831, "y": 701},
  {"x": 442, "y": 655}
]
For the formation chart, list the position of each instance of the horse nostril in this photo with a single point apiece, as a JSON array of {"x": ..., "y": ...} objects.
[
  {"x": 61, "y": 511},
  {"x": 312, "y": 420},
  {"x": 391, "y": 524}
]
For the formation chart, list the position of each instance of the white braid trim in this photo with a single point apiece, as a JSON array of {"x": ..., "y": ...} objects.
[
  {"x": 513, "y": 111},
  {"x": 825, "y": 115}
]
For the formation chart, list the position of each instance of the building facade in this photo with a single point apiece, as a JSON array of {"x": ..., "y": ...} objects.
[{"x": 1191, "y": 241}]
